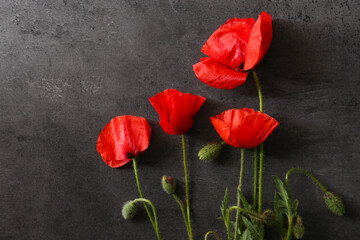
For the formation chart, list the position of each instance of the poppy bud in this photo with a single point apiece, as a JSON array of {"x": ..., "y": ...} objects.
[
  {"x": 269, "y": 217},
  {"x": 210, "y": 152},
  {"x": 298, "y": 229},
  {"x": 129, "y": 210},
  {"x": 168, "y": 184},
  {"x": 334, "y": 203}
]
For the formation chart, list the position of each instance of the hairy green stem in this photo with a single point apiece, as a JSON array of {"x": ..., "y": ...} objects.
[
  {"x": 187, "y": 189},
  {"x": 255, "y": 176},
  {"x": 212, "y": 232},
  {"x": 261, "y": 146},
  {"x": 261, "y": 176},
  {"x": 250, "y": 213},
  {"x": 183, "y": 212},
  {"x": 238, "y": 194},
  {"x": 288, "y": 234},
  {"x": 154, "y": 211},
  {"x": 140, "y": 192},
  {"x": 307, "y": 174}
]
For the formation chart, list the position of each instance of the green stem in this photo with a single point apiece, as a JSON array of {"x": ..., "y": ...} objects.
[
  {"x": 187, "y": 189},
  {"x": 307, "y": 174},
  {"x": 245, "y": 211},
  {"x": 255, "y": 176},
  {"x": 261, "y": 146},
  {"x": 212, "y": 232},
  {"x": 259, "y": 90},
  {"x": 238, "y": 194},
  {"x": 288, "y": 234},
  {"x": 261, "y": 176},
  {"x": 154, "y": 211},
  {"x": 183, "y": 212},
  {"x": 140, "y": 192},
  {"x": 223, "y": 143}
]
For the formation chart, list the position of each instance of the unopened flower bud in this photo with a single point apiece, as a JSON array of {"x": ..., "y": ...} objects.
[
  {"x": 168, "y": 184},
  {"x": 210, "y": 152},
  {"x": 129, "y": 210},
  {"x": 298, "y": 229},
  {"x": 334, "y": 203},
  {"x": 269, "y": 217}
]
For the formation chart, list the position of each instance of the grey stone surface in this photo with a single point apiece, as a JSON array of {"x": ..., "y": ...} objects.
[{"x": 68, "y": 67}]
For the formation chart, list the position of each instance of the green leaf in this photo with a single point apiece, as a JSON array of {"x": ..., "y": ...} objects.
[
  {"x": 246, "y": 235},
  {"x": 255, "y": 232},
  {"x": 244, "y": 202},
  {"x": 224, "y": 204}
]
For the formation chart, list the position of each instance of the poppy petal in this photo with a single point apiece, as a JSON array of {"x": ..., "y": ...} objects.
[
  {"x": 218, "y": 75},
  {"x": 176, "y": 110},
  {"x": 259, "y": 41},
  {"x": 228, "y": 43},
  {"x": 122, "y": 139},
  {"x": 244, "y": 128}
]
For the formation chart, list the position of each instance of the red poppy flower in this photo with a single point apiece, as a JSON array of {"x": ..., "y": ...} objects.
[
  {"x": 122, "y": 139},
  {"x": 176, "y": 110},
  {"x": 235, "y": 47},
  {"x": 244, "y": 128}
]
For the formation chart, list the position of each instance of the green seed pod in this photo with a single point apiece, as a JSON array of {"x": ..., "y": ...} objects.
[
  {"x": 298, "y": 229},
  {"x": 168, "y": 184},
  {"x": 334, "y": 203},
  {"x": 129, "y": 210},
  {"x": 210, "y": 152}
]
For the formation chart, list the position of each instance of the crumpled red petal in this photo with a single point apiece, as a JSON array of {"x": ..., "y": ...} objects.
[
  {"x": 259, "y": 41},
  {"x": 244, "y": 128},
  {"x": 176, "y": 110},
  {"x": 122, "y": 139},
  {"x": 229, "y": 42},
  {"x": 218, "y": 75}
]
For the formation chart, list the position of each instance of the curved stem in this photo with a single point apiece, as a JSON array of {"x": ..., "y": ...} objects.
[
  {"x": 238, "y": 224},
  {"x": 307, "y": 174},
  {"x": 212, "y": 232},
  {"x": 261, "y": 176},
  {"x": 183, "y": 212},
  {"x": 140, "y": 192},
  {"x": 259, "y": 90},
  {"x": 186, "y": 189},
  {"x": 154, "y": 211},
  {"x": 223, "y": 143},
  {"x": 255, "y": 176}
]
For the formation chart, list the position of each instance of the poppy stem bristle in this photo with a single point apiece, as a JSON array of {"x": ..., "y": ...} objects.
[
  {"x": 186, "y": 189},
  {"x": 238, "y": 223}
]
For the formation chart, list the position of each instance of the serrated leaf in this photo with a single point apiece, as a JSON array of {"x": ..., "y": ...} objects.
[
  {"x": 244, "y": 202},
  {"x": 254, "y": 231},
  {"x": 224, "y": 204},
  {"x": 246, "y": 235}
]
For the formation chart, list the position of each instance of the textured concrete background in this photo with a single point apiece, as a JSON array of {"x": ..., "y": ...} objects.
[{"x": 68, "y": 67}]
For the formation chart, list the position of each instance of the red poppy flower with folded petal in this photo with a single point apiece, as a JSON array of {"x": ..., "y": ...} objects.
[
  {"x": 244, "y": 128},
  {"x": 235, "y": 47},
  {"x": 176, "y": 110},
  {"x": 123, "y": 139}
]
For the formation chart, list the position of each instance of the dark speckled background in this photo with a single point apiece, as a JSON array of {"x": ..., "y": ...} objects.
[{"x": 68, "y": 67}]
